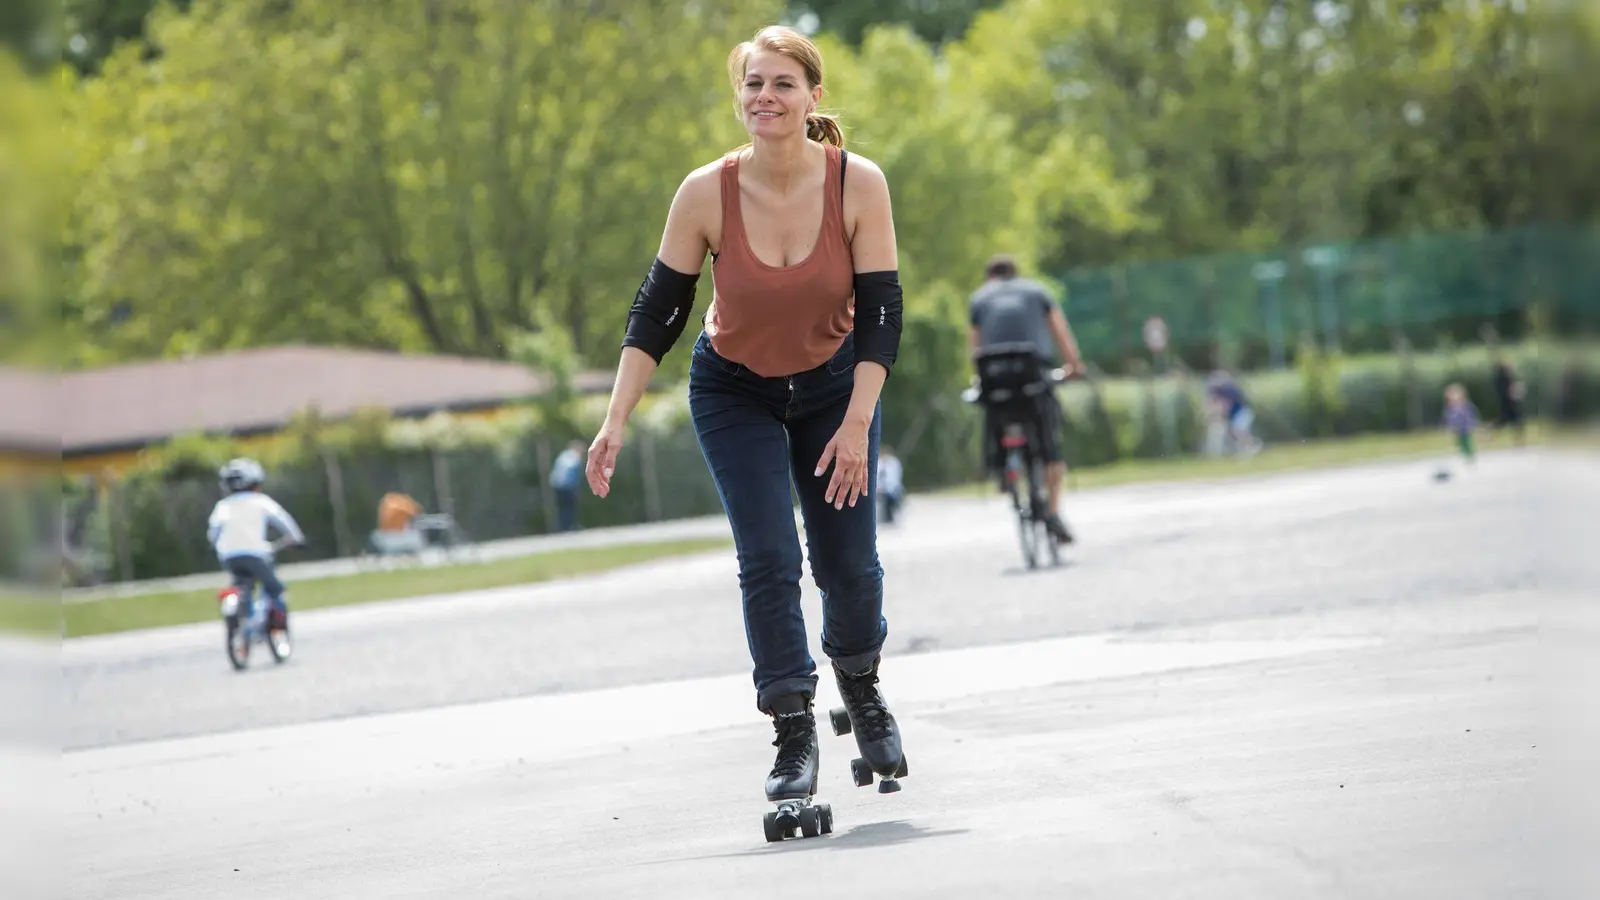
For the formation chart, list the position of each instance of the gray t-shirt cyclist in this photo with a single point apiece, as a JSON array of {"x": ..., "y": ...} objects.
[{"x": 1013, "y": 311}]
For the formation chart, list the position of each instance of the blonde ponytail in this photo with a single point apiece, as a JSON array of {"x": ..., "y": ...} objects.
[{"x": 824, "y": 129}]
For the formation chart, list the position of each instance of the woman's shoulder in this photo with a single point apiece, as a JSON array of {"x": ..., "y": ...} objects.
[
  {"x": 866, "y": 192},
  {"x": 700, "y": 192},
  {"x": 865, "y": 185},
  {"x": 863, "y": 167},
  {"x": 704, "y": 182}
]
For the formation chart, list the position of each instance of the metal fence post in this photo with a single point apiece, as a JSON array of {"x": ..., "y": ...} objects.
[
  {"x": 541, "y": 448},
  {"x": 336, "y": 498},
  {"x": 647, "y": 472}
]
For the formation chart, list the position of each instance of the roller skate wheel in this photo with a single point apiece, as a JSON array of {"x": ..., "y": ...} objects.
[
  {"x": 769, "y": 824},
  {"x": 840, "y": 719},
  {"x": 789, "y": 815},
  {"x": 861, "y": 772},
  {"x": 825, "y": 818},
  {"x": 810, "y": 822}
]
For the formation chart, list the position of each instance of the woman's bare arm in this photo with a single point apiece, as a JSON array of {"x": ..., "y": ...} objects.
[
  {"x": 873, "y": 248},
  {"x": 683, "y": 249}
]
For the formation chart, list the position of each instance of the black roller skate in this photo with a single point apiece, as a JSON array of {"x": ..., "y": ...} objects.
[
  {"x": 793, "y": 781},
  {"x": 877, "y": 736}
]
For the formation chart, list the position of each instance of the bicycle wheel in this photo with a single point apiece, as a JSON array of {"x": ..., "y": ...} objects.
[
  {"x": 1041, "y": 503},
  {"x": 237, "y": 642},
  {"x": 1023, "y": 488}
]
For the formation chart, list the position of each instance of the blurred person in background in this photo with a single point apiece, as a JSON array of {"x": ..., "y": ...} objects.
[
  {"x": 1461, "y": 421},
  {"x": 1509, "y": 392},
  {"x": 238, "y": 530},
  {"x": 1230, "y": 417},
  {"x": 784, "y": 384},
  {"x": 565, "y": 477},
  {"x": 1009, "y": 309},
  {"x": 891, "y": 484},
  {"x": 396, "y": 533}
]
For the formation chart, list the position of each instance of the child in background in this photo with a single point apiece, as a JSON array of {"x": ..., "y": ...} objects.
[
  {"x": 238, "y": 530},
  {"x": 1461, "y": 420}
]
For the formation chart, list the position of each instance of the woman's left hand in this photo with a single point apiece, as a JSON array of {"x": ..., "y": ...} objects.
[{"x": 848, "y": 453}]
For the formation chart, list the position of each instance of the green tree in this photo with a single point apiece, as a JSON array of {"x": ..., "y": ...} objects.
[
  {"x": 34, "y": 175},
  {"x": 964, "y": 186},
  {"x": 93, "y": 29},
  {"x": 1566, "y": 121},
  {"x": 420, "y": 175},
  {"x": 27, "y": 31},
  {"x": 934, "y": 21},
  {"x": 1250, "y": 123}
]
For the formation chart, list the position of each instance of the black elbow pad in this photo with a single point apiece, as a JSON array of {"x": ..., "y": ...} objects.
[
  {"x": 660, "y": 310},
  {"x": 879, "y": 306}
]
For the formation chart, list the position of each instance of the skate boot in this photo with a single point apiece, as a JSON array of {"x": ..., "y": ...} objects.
[
  {"x": 793, "y": 780},
  {"x": 794, "y": 772},
  {"x": 877, "y": 736}
]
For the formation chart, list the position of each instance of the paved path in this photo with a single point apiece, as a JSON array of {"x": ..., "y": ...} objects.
[
  {"x": 650, "y": 532},
  {"x": 1329, "y": 685}
]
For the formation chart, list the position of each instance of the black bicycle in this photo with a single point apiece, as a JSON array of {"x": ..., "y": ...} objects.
[{"x": 1010, "y": 378}]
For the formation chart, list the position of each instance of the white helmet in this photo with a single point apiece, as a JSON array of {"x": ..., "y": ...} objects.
[{"x": 241, "y": 474}]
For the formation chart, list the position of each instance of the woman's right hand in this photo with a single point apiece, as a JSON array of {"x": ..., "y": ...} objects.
[{"x": 603, "y": 457}]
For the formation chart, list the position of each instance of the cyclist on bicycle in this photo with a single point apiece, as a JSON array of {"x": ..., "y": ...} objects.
[
  {"x": 238, "y": 531},
  {"x": 1008, "y": 309}
]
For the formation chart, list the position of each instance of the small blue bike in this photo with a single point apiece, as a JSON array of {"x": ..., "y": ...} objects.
[{"x": 245, "y": 614}]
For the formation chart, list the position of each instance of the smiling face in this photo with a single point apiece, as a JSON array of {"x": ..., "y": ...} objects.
[
  {"x": 774, "y": 96},
  {"x": 777, "y": 80}
]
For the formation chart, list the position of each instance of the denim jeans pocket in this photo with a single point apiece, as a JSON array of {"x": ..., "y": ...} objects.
[
  {"x": 707, "y": 355},
  {"x": 845, "y": 359}
]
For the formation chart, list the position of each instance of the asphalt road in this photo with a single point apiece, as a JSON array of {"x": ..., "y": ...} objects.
[{"x": 1341, "y": 684}]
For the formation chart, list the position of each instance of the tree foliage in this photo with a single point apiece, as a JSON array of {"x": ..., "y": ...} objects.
[
  {"x": 422, "y": 174},
  {"x": 34, "y": 180},
  {"x": 449, "y": 176},
  {"x": 934, "y": 21},
  {"x": 1258, "y": 122}
]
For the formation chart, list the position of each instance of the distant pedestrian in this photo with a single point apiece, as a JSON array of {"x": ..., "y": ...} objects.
[
  {"x": 1509, "y": 392},
  {"x": 891, "y": 485},
  {"x": 1461, "y": 420},
  {"x": 1230, "y": 417},
  {"x": 565, "y": 478}
]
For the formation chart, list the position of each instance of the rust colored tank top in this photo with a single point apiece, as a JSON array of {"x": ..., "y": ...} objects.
[{"x": 779, "y": 320}]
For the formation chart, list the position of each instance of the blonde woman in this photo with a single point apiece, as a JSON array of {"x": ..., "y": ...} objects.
[{"x": 784, "y": 382}]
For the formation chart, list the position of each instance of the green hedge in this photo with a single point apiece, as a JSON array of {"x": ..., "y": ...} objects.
[
  {"x": 496, "y": 475},
  {"x": 1122, "y": 418}
]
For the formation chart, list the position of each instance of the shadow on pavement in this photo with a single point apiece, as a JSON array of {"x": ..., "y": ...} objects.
[
  {"x": 1043, "y": 569},
  {"x": 859, "y": 837},
  {"x": 873, "y": 834}
]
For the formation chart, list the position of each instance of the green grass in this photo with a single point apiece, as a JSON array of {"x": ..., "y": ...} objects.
[
  {"x": 1283, "y": 457},
  {"x": 30, "y": 613},
  {"x": 114, "y": 614}
]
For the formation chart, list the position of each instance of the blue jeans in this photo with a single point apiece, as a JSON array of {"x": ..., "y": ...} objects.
[
  {"x": 759, "y": 436},
  {"x": 246, "y": 569},
  {"x": 566, "y": 508}
]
